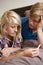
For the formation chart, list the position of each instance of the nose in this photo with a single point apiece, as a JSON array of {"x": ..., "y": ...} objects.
[
  {"x": 42, "y": 19},
  {"x": 16, "y": 29}
]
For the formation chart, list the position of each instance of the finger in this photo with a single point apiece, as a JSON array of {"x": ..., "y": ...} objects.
[{"x": 36, "y": 53}]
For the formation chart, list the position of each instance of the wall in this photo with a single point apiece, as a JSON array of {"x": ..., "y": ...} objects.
[{"x": 12, "y": 4}]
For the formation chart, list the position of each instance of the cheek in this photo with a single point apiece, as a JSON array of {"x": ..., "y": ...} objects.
[
  {"x": 9, "y": 30},
  {"x": 36, "y": 24},
  {"x": 31, "y": 23}
]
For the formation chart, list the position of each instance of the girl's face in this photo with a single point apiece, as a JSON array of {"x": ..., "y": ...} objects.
[
  {"x": 33, "y": 23},
  {"x": 12, "y": 29}
]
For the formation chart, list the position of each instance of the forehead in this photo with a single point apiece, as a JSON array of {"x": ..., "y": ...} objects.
[
  {"x": 36, "y": 18},
  {"x": 13, "y": 24}
]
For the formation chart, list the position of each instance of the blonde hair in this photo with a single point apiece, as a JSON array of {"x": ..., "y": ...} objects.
[
  {"x": 36, "y": 9},
  {"x": 10, "y": 17}
]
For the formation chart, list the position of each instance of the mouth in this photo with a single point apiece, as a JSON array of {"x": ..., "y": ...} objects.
[
  {"x": 13, "y": 34},
  {"x": 31, "y": 26}
]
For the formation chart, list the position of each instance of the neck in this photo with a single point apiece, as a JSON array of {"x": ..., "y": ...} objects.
[{"x": 10, "y": 38}]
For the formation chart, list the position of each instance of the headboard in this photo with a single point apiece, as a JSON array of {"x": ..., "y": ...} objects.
[{"x": 21, "y": 11}]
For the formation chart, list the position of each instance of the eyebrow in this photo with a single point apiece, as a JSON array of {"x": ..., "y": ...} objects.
[{"x": 38, "y": 20}]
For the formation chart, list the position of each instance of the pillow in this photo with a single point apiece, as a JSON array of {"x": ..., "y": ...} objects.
[{"x": 27, "y": 13}]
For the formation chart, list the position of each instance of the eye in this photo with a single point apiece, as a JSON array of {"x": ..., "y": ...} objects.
[{"x": 12, "y": 26}]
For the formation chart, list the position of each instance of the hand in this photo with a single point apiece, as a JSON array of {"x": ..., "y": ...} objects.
[
  {"x": 31, "y": 52},
  {"x": 40, "y": 26},
  {"x": 8, "y": 51},
  {"x": 40, "y": 33}
]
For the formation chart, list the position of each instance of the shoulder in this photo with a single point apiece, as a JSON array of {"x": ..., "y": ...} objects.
[
  {"x": 25, "y": 23},
  {"x": 3, "y": 41},
  {"x": 24, "y": 19}
]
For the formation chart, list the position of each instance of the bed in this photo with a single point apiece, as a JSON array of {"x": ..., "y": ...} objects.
[{"x": 23, "y": 60}]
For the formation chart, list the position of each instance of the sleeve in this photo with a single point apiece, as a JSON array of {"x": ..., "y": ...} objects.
[
  {"x": 0, "y": 44},
  {"x": 19, "y": 42},
  {"x": 0, "y": 49},
  {"x": 24, "y": 19}
]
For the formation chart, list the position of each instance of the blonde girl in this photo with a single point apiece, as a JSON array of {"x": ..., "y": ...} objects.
[{"x": 10, "y": 32}]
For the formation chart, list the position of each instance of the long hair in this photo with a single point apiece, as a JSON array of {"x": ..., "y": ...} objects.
[
  {"x": 10, "y": 17},
  {"x": 36, "y": 9}
]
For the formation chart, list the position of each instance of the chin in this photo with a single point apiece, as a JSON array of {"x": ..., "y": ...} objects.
[
  {"x": 12, "y": 35},
  {"x": 31, "y": 27}
]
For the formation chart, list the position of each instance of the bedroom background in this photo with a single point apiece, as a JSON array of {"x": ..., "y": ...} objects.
[{"x": 15, "y": 4}]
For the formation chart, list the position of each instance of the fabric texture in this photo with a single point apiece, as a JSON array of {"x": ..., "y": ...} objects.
[
  {"x": 23, "y": 60},
  {"x": 27, "y": 33},
  {"x": 4, "y": 43}
]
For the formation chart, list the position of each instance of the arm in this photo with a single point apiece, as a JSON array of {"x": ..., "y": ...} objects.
[
  {"x": 7, "y": 51},
  {"x": 31, "y": 52},
  {"x": 40, "y": 33}
]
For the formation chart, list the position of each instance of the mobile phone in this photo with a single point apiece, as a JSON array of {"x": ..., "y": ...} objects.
[{"x": 39, "y": 46}]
